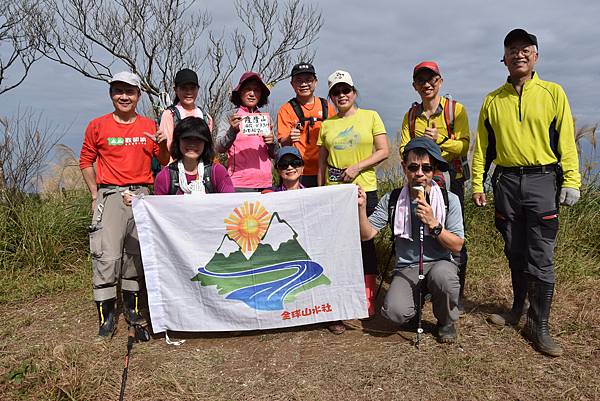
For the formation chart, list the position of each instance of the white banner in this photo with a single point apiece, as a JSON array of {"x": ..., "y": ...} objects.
[{"x": 249, "y": 261}]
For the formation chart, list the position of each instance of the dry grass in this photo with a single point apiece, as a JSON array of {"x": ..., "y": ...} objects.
[
  {"x": 64, "y": 172},
  {"x": 48, "y": 352}
]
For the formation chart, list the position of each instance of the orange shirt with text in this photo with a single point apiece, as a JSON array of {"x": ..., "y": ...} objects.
[
  {"x": 122, "y": 152},
  {"x": 287, "y": 120}
]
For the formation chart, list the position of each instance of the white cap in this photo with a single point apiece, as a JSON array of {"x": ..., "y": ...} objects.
[
  {"x": 127, "y": 77},
  {"x": 339, "y": 77}
]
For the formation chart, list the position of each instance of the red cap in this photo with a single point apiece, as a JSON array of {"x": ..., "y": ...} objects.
[{"x": 426, "y": 65}]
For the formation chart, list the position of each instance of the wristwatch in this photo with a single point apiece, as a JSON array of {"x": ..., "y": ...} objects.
[{"x": 436, "y": 231}]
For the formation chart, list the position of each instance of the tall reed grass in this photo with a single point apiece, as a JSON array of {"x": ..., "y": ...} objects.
[
  {"x": 42, "y": 240},
  {"x": 44, "y": 245}
]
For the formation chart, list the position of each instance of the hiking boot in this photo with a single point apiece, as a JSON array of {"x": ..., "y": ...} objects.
[
  {"x": 336, "y": 327},
  {"x": 107, "y": 317},
  {"x": 520, "y": 302},
  {"x": 447, "y": 334},
  {"x": 537, "y": 328},
  {"x": 131, "y": 301}
]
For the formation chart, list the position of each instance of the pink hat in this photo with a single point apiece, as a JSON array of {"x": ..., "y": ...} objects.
[
  {"x": 247, "y": 76},
  {"x": 426, "y": 65}
]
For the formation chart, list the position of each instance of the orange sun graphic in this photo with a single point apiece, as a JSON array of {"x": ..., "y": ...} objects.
[{"x": 247, "y": 225}]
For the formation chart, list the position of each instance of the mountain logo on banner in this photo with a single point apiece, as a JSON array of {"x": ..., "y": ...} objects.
[{"x": 260, "y": 261}]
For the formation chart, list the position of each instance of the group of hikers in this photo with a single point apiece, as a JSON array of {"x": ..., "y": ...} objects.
[{"x": 525, "y": 128}]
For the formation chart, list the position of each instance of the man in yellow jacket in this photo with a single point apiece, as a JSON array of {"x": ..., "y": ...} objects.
[
  {"x": 445, "y": 121},
  {"x": 526, "y": 129}
]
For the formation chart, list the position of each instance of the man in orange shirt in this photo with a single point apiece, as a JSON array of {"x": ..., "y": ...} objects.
[
  {"x": 299, "y": 120},
  {"x": 121, "y": 144}
]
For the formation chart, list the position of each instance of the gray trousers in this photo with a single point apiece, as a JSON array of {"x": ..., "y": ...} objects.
[
  {"x": 114, "y": 245},
  {"x": 527, "y": 218},
  {"x": 400, "y": 304}
]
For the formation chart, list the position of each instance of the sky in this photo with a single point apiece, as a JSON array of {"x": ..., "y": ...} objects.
[{"x": 379, "y": 43}]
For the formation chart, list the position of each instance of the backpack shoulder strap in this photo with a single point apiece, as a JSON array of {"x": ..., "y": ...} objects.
[
  {"x": 445, "y": 195},
  {"x": 173, "y": 178},
  {"x": 207, "y": 179},
  {"x": 449, "y": 114},
  {"x": 412, "y": 118},
  {"x": 394, "y": 196},
  {"x": 204, "y": 114},
  {"x": 324, "y": 108},
  {"x": 298, "y": 110},
  {"x": 175, "y": 113}
]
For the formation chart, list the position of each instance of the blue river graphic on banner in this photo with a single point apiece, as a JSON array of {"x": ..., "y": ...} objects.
[{"x": 260, "y": 261}]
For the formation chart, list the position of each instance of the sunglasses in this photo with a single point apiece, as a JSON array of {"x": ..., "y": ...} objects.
[
  {"x": 425, "y": 168},
  {"x": 431, "y": 81},
  {"x": 340, "y": 90},
  {"x": 295, "y": 163}
]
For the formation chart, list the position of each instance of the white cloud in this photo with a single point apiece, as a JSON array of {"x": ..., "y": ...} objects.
[{"x": 379, "y": 43}]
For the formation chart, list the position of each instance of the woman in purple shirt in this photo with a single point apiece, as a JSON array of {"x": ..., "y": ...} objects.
[{"x": 193, "y": 170}]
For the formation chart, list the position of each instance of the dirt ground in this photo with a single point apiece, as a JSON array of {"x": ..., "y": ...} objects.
[{"x": 48, "y": 351}]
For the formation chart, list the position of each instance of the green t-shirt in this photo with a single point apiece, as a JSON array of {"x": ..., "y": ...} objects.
[{"x": 350, "y": 140}]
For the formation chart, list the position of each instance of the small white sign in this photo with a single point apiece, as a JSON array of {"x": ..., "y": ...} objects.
[{"x": 256, "y": 124}]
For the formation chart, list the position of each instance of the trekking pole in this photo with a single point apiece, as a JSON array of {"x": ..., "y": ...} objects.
[
  {"x": 130, "y": 341},
  {"x": 420, "y": 286},
  {"x": 421, "y": 195}
]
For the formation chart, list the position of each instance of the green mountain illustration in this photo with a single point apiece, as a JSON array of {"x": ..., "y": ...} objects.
[{"x": 279, "y": 266}]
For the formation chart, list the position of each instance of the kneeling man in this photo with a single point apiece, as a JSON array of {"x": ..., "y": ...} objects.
[{"x": 441, "y": 215}]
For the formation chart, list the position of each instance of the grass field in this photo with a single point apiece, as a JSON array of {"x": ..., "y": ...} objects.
[{"x": 48, "y": 349}]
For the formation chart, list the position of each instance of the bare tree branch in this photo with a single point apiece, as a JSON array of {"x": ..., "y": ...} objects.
[
  {"x": 156, "y": 38},
  {"x": 26, "y": 140},
  {"x": 21, "y": 53}
]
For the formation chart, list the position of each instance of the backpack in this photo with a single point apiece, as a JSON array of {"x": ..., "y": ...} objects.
[
  {"x": 395, "y": 195},
  {"x": 311, "y": 120},
  {"x": 174, "y": 179},
  {"x": 460, "y": 165},
  {"x": 177, "y": 115}
]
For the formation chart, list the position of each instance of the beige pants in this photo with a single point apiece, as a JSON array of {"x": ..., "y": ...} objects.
[{"x": 114, "y": 245}]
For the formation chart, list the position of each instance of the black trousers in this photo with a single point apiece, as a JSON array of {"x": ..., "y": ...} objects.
[
  {"x": 457, "y": 187},
  {"x": 369, "y": 256},
  {"x": 527, "y": 218},
  {"x": 309, "y": 181}
]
